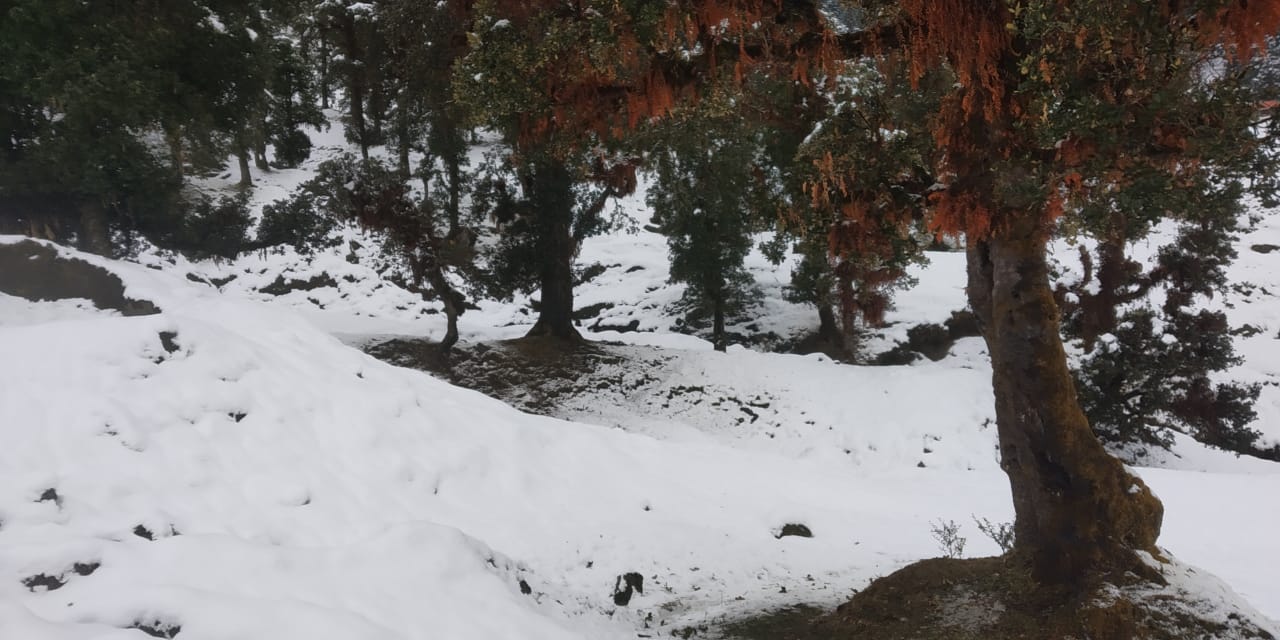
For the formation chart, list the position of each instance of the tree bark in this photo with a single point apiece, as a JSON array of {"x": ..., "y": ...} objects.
[
  {"x": 452, "y": 301},
  {"x": 95, "y": 232},
  {"x": 717, "y": 330},
  {"x": 246, "y": 178},
  {"x": 555, "y": 313},
  {"x": 552, "y": 196},
  {"x": 177, "y": 154},
  {"x": 1078, "y": 511},
  {"x": 402, "y": 150}
]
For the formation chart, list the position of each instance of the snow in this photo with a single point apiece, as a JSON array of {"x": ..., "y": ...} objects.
[{"x": 298, "y": 488}]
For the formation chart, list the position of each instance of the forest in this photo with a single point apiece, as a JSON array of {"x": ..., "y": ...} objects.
[{"x": 825, "y": 271}]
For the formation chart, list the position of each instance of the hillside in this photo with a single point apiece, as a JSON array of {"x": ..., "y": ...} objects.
[{"x": 227, "y": 467}]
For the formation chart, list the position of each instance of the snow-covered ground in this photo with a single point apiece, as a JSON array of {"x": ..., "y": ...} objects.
[{"x": 233, "y": 468}]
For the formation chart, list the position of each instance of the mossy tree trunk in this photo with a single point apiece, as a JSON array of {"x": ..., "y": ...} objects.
[{"x": 1079, "y": 513}]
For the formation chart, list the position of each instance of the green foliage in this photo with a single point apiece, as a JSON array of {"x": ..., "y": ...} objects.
[
  {"x": 1155, "y": 372},
  {"x": 214, "y": 228},
  {"x": 1147, "y": 379},
  {"x": 711, "y": 191}
]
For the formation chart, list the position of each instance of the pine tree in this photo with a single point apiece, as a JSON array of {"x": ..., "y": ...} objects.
[{"x": 714, "y": 185}]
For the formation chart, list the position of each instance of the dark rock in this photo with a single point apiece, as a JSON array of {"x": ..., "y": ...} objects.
[
  {"x": 1265, "y": 248},
  {"x": 143, "y": 532},
  {"x": 50, "y": 495},
  {"x": 791, "y": 529},
  {"x": 36, "y": 272},
  {"x": 591, "y": 310},
  {"x": 629, "y": 327},
  {"x": 281, "y": 287},
  {"x": 168, "y": 340},
  {"x": 589, "y": 273},
  {"x": 625, "y": 586},
  {"x": 50, "y": 583},
  {"x": 525, "y": 588},
  {"x": 85, "y": 568},
  {"x": 157, "y": 628},
  {"x": 635, "y": 269}
]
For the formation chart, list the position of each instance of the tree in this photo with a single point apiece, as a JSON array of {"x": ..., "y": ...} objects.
[
  {"x": 865, "y": 182},
  {"x": 565, "y": 175},
  {"x": 1053, "y": 105},
  {"x": 373, "y": 195},
  {"x": 83, "y": 85},
  {"x": 714, "y": 186},
  {"x": 1146, "y": 369}
]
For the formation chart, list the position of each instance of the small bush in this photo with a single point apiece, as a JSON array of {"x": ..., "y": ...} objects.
[
  {"x": 1000, "y": 533},
  {"x": 292, "y": 149},
  {"x": 933, "y": 341},
  {"x": 947, "y": 534}
]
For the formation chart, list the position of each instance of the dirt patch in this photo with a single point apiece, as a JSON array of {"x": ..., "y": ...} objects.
[
  {"x": 992, "y": 599},
  {"x": 537, "y": 375},
  {"x": 36, "y": 272}
]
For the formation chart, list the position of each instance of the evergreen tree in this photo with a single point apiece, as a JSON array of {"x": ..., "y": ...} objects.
[
  {"x": 85, "y": 85},
  {"x": 1146, "y": 369},
  {"x": 865, "y": 184},
  {"x": 565, "y": 175},
  {"x": 713, "y": 187}
]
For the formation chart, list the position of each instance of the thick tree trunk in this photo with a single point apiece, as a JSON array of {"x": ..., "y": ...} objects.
[
  {"x": 95, "y": 231},
  {"x": 246, "y": 178},
  {"x": 552, "y": 197},
  {"x": 1078, "y": 511},
  {"x": 555, "y": 314},
  {"x": 828, "y": 329}
]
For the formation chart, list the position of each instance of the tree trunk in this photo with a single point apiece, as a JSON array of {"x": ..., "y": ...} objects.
[
  {"x": 324, "y": 74},
  {"x": 260, "y": 155},
  {"x": 177, "y": 155},
  {"x": 552, "y": 197},
  {"x": 848, "y": 308},
  {"x": 453, "y": 167},
  {"x": 246, "y": 178},
  {"x": 1078, "y": 511},
  {"x": 95, "y": 232},
  {"x": 828, "y": 330},
  {"x": 402, "y": 151},
  {"x": 555, "y": 314},
  {"x": 357, "y": 79},
  {"x": 452, "y": 301},
  {"x": 717, "y": 330}
]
